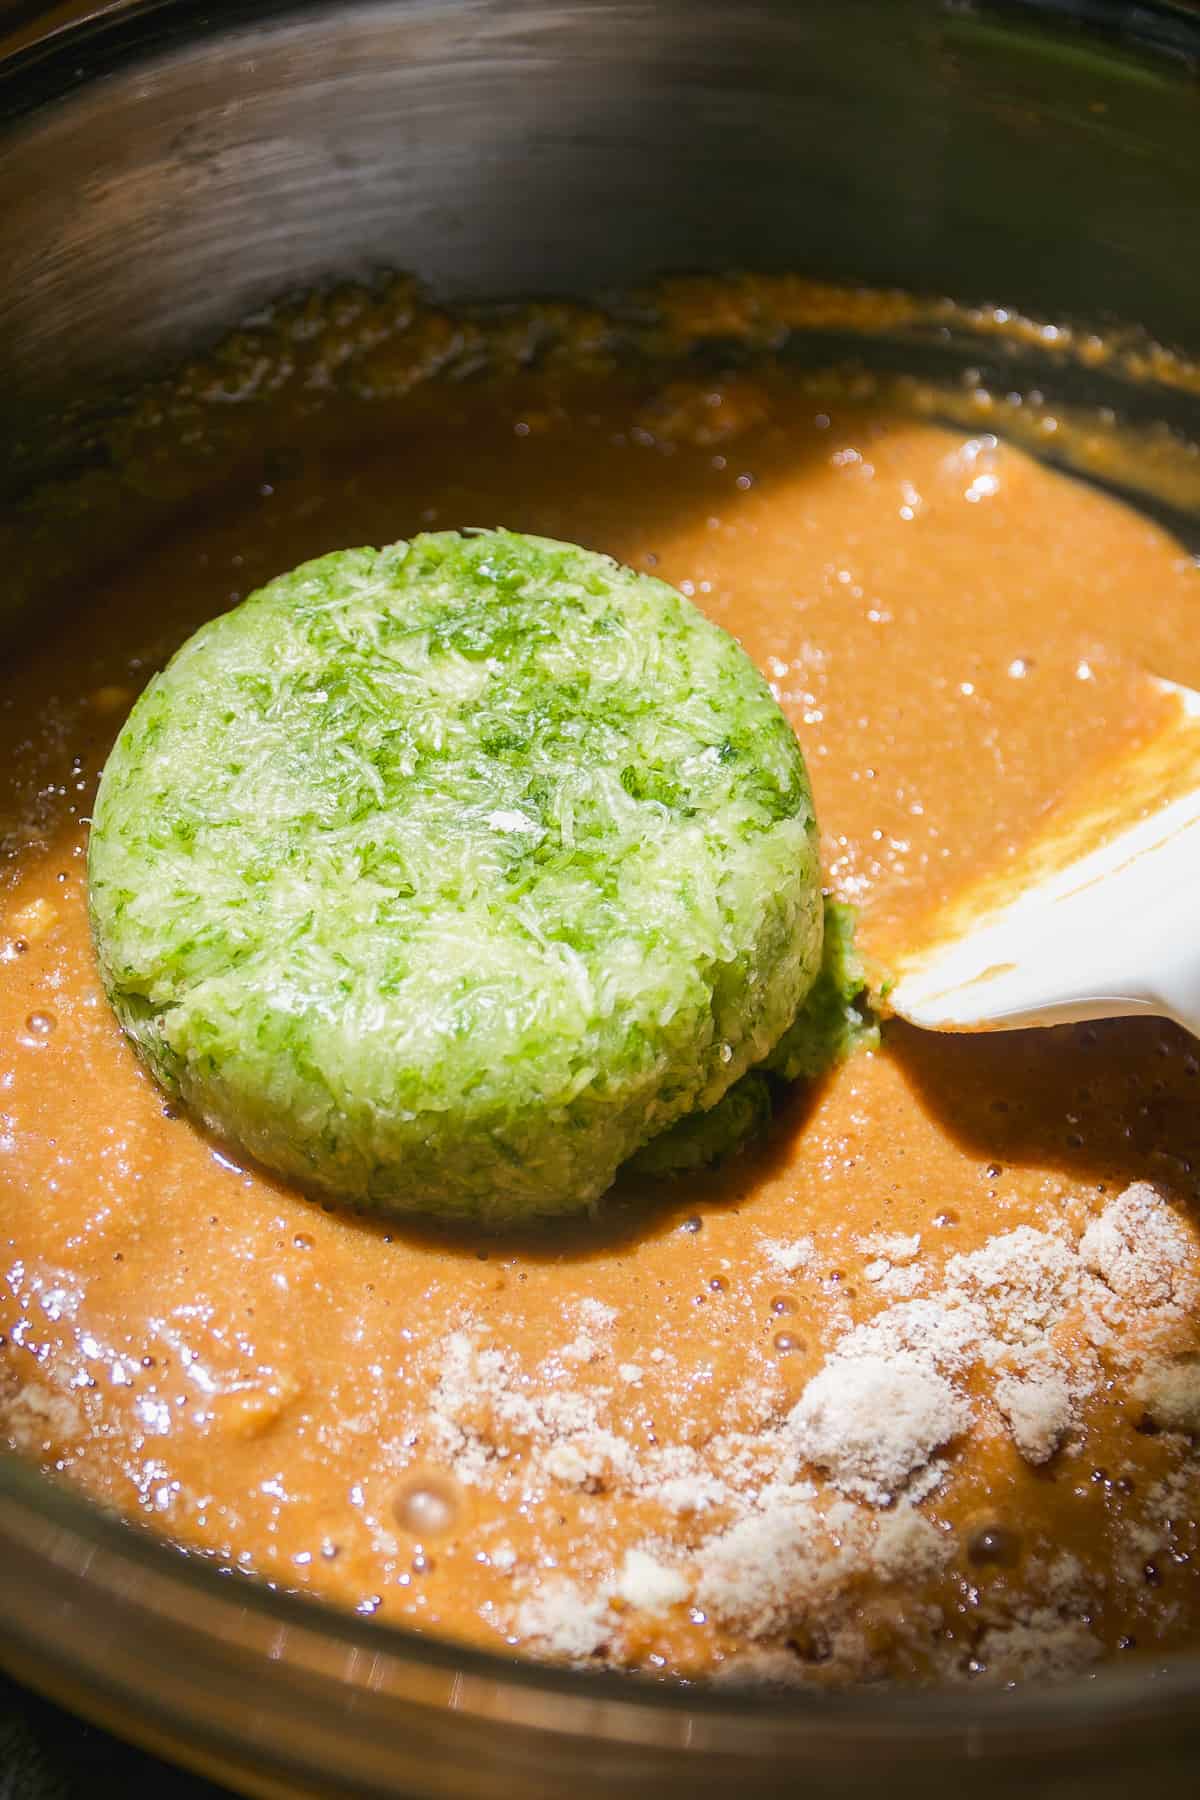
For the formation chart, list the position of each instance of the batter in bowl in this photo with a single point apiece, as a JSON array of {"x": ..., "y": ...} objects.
[{"x": 908, "y": 1392}]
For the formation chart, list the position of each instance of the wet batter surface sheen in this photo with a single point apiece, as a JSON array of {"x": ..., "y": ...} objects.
[{"x": 910, "y": 1391}]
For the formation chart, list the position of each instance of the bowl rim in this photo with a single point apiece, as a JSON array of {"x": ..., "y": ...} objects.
[{"x": 1152, "y": 1692}]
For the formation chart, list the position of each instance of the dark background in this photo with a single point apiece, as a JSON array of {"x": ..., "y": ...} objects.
[{"x": 45, "y": 1754}]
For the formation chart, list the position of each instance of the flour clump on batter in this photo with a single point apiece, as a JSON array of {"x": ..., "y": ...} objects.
[{"x": 444, "y": 877}]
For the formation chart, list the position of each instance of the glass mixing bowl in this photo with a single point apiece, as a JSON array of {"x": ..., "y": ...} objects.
[{"x": 165, "y": 168}]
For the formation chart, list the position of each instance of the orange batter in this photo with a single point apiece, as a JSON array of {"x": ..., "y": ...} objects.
[{"x": 820, "y": 1415}]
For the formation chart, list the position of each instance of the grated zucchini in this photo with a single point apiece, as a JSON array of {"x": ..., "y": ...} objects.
[{"x": 443, "y": 877}]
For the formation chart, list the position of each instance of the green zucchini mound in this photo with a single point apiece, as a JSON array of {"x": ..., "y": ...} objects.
[
  {"x": 838, "y": 1016},
  {"x": 443, "y": 877},
  {"x": 838, "y": 1019}
]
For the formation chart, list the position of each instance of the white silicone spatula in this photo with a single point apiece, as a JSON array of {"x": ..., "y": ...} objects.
[{"x": 1099, "y": 918}]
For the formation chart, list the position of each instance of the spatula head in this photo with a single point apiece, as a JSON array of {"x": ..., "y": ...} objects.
[{"x": 1096, "y": 918}]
